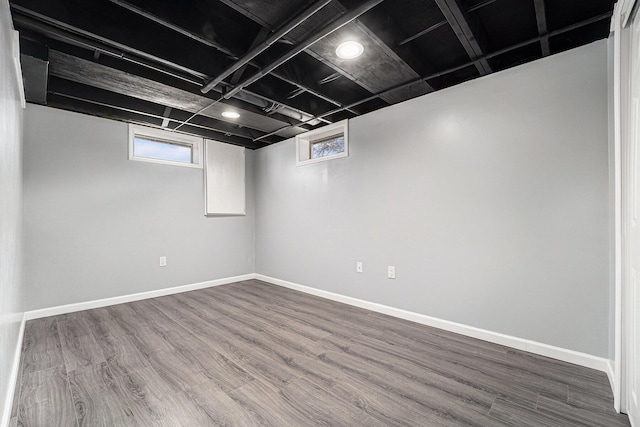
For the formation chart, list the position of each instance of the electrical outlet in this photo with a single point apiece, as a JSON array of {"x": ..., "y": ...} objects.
[
  {"x": 391, "y": 272},
  {"x": 359, "y": 267},
  {"x": 163, "y": 261}
]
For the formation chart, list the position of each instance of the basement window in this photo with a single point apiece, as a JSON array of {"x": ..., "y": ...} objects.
[
  {"x": 161, "y": 146},
  {"x": 326, "y": 143}
]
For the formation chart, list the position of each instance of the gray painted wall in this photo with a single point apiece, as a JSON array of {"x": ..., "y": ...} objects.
[
  {"x": 490, "y": 198},
  {"x": 96, "y": 223},
  {"x": 10, "y": 208}
]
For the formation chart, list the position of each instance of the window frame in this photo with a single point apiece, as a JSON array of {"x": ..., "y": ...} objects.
[
  {"x": 160, "y": 135},
  {"x": 304, "y": 142},
  {"x": 329, "y": 138}
]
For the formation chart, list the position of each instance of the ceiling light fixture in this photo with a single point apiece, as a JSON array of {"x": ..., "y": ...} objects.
[
  {"x": 349, "y": 50},
  {"x": 230, "y": 114}
]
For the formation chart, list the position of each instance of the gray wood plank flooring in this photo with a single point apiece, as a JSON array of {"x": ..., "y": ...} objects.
[{"x": 251, "y": 353}]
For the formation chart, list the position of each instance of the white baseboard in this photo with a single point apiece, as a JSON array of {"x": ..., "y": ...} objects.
[
  {"x": 87, "y": 305},
  {"x": 541, "y": 349},
  {"x": 611, "y": 374},
  {"x": 8, "y": 403}
]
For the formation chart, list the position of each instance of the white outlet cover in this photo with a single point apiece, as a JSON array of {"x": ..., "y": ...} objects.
[
  {"x": 391, "y": 272},
  {"x": 163, "y": 261},
  {"x": 359, "y": 267}
]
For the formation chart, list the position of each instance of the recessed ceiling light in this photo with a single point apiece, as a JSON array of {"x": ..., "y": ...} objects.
[
  {"x": 230, "y": 114},
  {"x": 349, "y": 50}
]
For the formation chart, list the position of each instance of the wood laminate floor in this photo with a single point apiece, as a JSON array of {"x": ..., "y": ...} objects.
[{"x": 252, "y": 353}]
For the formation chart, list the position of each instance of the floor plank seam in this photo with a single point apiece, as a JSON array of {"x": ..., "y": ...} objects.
[{"x": 252, "y": 353}]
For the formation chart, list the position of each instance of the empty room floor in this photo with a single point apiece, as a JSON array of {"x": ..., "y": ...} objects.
[{"x": 252, "y": 353}]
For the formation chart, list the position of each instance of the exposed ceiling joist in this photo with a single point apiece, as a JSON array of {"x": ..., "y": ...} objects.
[
  {"x": 122, "y": 50},
  {"x": 220, "y": 134},
  {"x": 103, "y": 62},
  {"x": 304, "y": 44},
  {"x": 541, "y": 18},
  {"x": 261, "y": 47},
  {"x": 311, "y": 91},
  {"x": 200, "y": 77},
  {"x": 166, "y": 117},
  {"x": 156, "y": 113},
  {"x": 96, "y": 75},
  {"x": 441, "y": 23},
  {"x": 85, "y": 39},
  {"x": 461, "y": 23},
  {"x": 174, "y": 27},
  {"x": 383, "y": 30},
  {"x": 254, "y": 17},
  {"x": 422, "y": 33},
  {"x": 260, "y": 37},
  {"x": 459, "y": 67}
]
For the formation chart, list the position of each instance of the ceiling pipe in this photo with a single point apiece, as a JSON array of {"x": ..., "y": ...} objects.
[
  {"x": 285, "y": 110},
  {"x": 441, "y": 23},
  {"x": 68, "y": 34},
  {"x": 311, "y": 91},
  {"x": 306, "y": 43},
  {"x": 144, "y": 113},
  {"x": 225, "y": 50},
  {"x": 261, "y": 47},
  {"x": 97, "y": 46},
  {"x": 537, "y": 39},
  {"x": 139, "y": 11},
  {"x": 70, "y": 28}
]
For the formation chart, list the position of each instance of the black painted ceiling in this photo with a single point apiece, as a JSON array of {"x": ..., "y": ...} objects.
[{"x": 151, "y": 61}]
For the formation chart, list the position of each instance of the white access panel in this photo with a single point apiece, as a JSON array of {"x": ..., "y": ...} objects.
[{"x": 224, "y": 192}]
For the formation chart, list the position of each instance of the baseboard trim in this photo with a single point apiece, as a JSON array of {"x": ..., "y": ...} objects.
[
  {"x": 522, "y": 344},
  {"x": 611, "y": 374},
  {"x": 6, "y": 415},
  {"x": 535, "y": 347},
  {"x": 87, "y": 305}
]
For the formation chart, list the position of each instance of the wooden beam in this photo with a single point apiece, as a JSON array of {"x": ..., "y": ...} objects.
[
  {"x": 260, "y": 37},
  {"x": 263, "y": 45},
  {"x": 307, "y": 85},
  {"x": 306, "y": 43},
  {"x": 103, "y": 77},
  {"x": 461, "y": 24},
  {"x": 465, "y": 65},
  {"x": 166, "y": 117},
  {"x": 170, "y": 25},
  {"x": 49, "y": 26},
  {"x": 66, "y": 33},
  {"x": 384, "y": 31},
  {"x": 480, "y": 5},
  {"x": 422, "y": 33},
  {"x": 99, "y": 97},
  {"x": 441, "y": 23},
  {"x": 385, "y": 65},
  {"x": 541, "y": 17}
]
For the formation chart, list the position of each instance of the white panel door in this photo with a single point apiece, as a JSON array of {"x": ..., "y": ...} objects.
[{"x": 633, "y": 341}]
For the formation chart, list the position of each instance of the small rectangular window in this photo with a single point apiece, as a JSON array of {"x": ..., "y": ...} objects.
[
  {"x": 162, "y": 150},
  {"x": 327, "y": 147},
  {"x": 161, "y": 146},
  {"x": 325, "y": 143}
]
